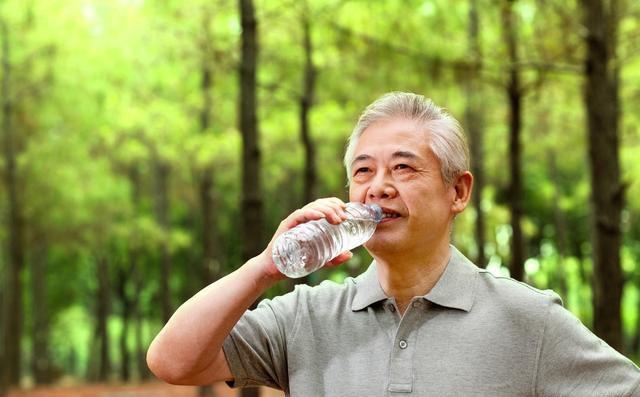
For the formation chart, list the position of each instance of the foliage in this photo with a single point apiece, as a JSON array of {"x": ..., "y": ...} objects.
[{"x": 104, "y": 87}]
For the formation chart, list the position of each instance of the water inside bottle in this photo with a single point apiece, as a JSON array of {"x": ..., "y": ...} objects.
[{"x": 305, "y": 249}]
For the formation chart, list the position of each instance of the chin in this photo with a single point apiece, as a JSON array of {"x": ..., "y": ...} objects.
[{"x": 379, "y": 245}]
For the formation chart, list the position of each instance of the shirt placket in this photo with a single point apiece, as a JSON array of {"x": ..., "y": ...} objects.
[{"x": 401, "y": 371}]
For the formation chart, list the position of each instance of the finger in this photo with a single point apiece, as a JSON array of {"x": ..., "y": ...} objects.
[
  {"x": 301, "y": 216},
  {"x": 333, "y": 208},
  {"x": 342, "y": 258}
]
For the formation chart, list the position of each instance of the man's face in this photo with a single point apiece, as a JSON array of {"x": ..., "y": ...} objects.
[{"x": 394, "y": 167}]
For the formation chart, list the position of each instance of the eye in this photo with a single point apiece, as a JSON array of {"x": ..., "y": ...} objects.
[
  {"x": 361, "y": 170},
  {"x": 401, "y": 167}
]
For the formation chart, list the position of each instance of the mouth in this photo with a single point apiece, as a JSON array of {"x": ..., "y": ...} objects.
[{"x": 389, "y": 215}]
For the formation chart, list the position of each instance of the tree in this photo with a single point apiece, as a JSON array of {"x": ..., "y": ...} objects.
[
  {"x": 103, "y": 309},
  {"x": 474, "y": 121},
  {"x": 514, "y": 93},
  {"x": 40, "y": 362},
  {"x": 306, "y": 103},
  {"x": 252, "y": 207},
  {"x": 13, "y": 312},
  {"x": 607, "y": 194},
  {"x": 207, "y": 174}
]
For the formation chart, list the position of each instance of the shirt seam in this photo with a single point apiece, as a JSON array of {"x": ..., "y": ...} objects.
[
  {"x": 540, "y": 343},
  {"x": 487, "y": 273}
]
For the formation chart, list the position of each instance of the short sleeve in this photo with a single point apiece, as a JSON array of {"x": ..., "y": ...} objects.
[
  {"x": 575, "y": 362},
  {"x": 256, "y": 347}
]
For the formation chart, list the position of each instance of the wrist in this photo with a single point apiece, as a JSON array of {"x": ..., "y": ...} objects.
[{"x": 265, "y": 272}]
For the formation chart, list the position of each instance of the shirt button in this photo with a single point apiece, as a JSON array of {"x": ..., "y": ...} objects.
[{"x": 403, "y": 344}]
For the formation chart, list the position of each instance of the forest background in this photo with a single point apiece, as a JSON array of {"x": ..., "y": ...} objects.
[{"x": 149, "y": 147}]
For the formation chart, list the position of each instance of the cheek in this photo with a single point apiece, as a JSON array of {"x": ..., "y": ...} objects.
[{"x": 356, "y": 193}]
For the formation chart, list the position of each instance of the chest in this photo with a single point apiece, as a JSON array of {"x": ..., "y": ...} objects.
[{"x": 426, "y": 352}]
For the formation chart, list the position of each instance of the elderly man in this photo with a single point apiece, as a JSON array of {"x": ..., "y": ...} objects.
[{"x": 422, "y": 320}]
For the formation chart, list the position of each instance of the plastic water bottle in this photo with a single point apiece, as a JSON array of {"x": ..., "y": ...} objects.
[{"x": 308, "y": 246}]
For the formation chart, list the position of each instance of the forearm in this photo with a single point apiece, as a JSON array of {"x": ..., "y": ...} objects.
[{"x": 192, "y": 338}]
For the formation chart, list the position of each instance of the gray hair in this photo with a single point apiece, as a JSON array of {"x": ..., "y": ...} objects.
[{"x": 448, "y": 141}]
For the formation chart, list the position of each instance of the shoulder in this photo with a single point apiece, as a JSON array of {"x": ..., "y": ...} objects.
[
  {"x": 515, "y": 297},
  {"x": 326, "y": 295}
]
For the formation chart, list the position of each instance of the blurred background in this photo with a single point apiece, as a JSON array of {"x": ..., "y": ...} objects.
[{"x": 150, "y": 147}]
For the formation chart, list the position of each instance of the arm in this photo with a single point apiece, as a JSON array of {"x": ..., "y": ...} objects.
[
  {"x": 575, "y": 362},
  {"x": 188, "y": 350}
]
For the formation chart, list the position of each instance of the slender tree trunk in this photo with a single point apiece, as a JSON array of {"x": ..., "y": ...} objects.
[
  {"x": 560, "y": 224},
  {"x": 15, "y": 249},
  {"x": 121, "y": 288},
  {"x": 514, "y": 95},
  {"x": 306, "y": 103},
  {"x": 474, "y": 121},
  {"x": 136, "y": 279},
  {"x": 607, "y": 195},
  {"x": 103, "y": 311},
  {"x": 141, "y": 362},
  {"x": 3, "y": 370},
  {"x": 635, "y": 343},
  {"x": 162, "y": 212},
  {"x": 40, "y": 332},
  {"x": 252, "y": 207},
  {"x": 207, "y": 192}
]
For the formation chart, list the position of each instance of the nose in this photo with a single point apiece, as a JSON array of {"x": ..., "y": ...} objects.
[{"x": 381, "y": 188}]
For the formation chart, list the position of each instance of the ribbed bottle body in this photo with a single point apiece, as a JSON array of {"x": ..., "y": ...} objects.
[{"x": 309, "y": 246}]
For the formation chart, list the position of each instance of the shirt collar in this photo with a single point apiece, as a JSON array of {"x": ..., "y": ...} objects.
[
  {"x": 455, "y": 288},
  {"x": 368, "y": 289}
]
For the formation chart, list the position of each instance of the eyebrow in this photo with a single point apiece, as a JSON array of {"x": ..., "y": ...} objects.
[{"x": 405, "y": 154}]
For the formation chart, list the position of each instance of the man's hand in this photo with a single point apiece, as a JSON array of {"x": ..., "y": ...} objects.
[{"x": 331, "y": 209}]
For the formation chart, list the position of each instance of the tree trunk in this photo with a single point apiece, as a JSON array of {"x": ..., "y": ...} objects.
[
  {"x": 103, "y": 311},
  {"x": 252, "y": 206},
  {"x": 3, "y": 370},
  {"x": 514, "y": 95},
  {"x": 121, "y": 288},
  {"x": 306, "y": 103},
  {"x": 134, "y": 262},
  {"x": 207, "y": 192},
  {"x": 40, "y": 333},
  {"x": 162, "y": 213},
  {"x": 15, "y": 249},
  {"x": 474, "y": 121},
  {"x": 252, "y": 211},
  {"x": 635, "y": 342},
  {"x": 607, "y": 195},
  {"x": 560, "y": 225}
]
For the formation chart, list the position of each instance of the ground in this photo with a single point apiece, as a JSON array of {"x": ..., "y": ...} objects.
[{"x": 152, "y": 389}]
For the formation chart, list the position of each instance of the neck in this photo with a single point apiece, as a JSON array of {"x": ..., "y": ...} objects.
[{"x": 407, "y": 276}]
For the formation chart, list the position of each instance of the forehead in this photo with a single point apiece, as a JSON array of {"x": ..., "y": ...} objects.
[{"x": 386, "y": 137}]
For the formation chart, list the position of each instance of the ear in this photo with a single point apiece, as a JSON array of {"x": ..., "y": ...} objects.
[{"x": 462, "y": 185}]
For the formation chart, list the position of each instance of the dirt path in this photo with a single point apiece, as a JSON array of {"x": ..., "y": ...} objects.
[{"x": 136, "y": 390}]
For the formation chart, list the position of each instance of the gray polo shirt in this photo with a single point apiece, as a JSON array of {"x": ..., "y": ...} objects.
[{"x": 473, "y": 334}]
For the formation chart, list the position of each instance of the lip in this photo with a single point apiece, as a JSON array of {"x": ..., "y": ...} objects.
[{"x": 392, "y": 211}]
